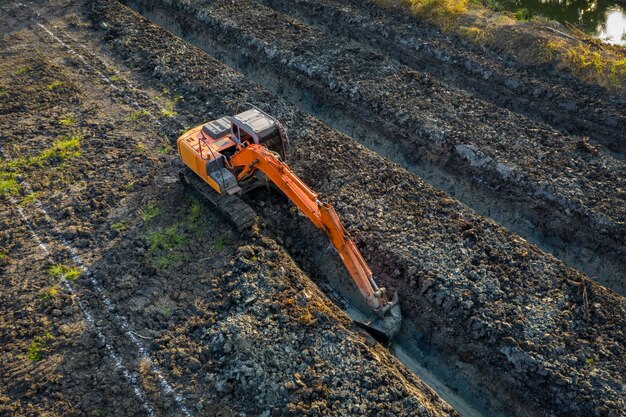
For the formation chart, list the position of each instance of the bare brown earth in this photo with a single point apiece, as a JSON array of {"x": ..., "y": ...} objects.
[{"x": 229, "y": 321}]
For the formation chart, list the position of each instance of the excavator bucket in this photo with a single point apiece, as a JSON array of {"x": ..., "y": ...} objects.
[{"x": 385, "y": 325}]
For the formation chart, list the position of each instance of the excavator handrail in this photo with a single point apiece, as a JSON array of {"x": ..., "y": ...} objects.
[{"x": 257, "y": 157}]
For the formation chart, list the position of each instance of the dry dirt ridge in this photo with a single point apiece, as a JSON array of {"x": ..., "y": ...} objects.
[
  {"x": 551, "y": 185},
  {"x": 173, "y": 312},
  {"x": 524, "y": 326},
  {"x": 467, "y": 285}
]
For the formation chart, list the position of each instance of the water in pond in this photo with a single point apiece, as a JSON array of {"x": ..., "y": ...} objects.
[{"x": 605, "y": 19}]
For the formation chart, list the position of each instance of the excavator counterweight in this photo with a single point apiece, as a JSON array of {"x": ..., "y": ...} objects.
[{"x": 229, "y": 153}]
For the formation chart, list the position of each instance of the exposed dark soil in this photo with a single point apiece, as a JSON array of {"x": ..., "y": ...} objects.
[
  {"x": 189, "y": 317},
  {"x": 556, "y": 189},
  {"x": 544, "y": 338},
  {"x": 175, "y": 313}
]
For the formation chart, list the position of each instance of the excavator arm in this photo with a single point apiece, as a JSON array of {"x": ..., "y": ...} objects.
[{"x": 257, "y": 157}]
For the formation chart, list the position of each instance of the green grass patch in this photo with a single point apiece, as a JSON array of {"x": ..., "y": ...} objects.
[
  {"x": 166, "y": 261},
  {"x": 150, "y": 212},
  {"x": 54, "y": 85},
  {"x": 3, "y": 91},
  {"x": 64, "y": 148},
  {"x": 29, "y": 198},
  {"x": 523, "y": 15},
  {"x": 37, "y": 348},
  {"x": 22, "y": 70},
  {"x": 49, "y": 293},
  {"x": 162, "y": 246},
  {"x": 168, "y": 113},
  {"x": 67, "y": 121},
  {"x": 9, "y": 184},
  {"x": 129, "y": 185},
  {"x": 115, "y": 78},
  {"x": 219, "y": 243},
  {"x": 139, "y": 114},
  {"x": 120, "y": 226},
  {"x": 165, "y": 239},
  {"x": 62, "y": 271}
]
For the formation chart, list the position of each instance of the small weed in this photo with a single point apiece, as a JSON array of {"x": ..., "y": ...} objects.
[
  {"x": 61, "y": 272},
  {"x": 141, "y": 148},
  {"x": 150, "y": 212},
  {"x": 67, "y": 121},
  {"x": 22, "y": 70},
  {"x": 120, "y": 226},
  {"x": 9, "y": 184},
  {"x": 64, "y": 148},
  {"x": 4, "y": 255},
  {"x": 49, "y": 293},
  {"x": 3, "y": 91},
  {"x": 165, "y": 311},
  {"x": 168, "y": 113},
  {"x": 219, "y": 243},
  {"x": 195, "y": 215},
  {"x": 588, "y": 361},
  {"x": 165, "y": 239},
  {"x": 115, "y": 79},
  {"x": 37, "y": 347},
  {"x": 129, "y": 186},
  {"x": 523, "y": 15},
  {"x": 29, "y": 198},
  {"x": 165, "y": 149},
  {"x": 161, "y": 245},
  {"x": 139, "y": 114},
  {"x": 54, "y": 85}
]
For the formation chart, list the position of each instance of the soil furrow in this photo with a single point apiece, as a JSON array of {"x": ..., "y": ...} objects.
[
  {"x": 227, "y": 320},
  {"x": 541, "y": 93},
  {"x": 531, "y": 336},
  {"x": 528, "y": 177}
]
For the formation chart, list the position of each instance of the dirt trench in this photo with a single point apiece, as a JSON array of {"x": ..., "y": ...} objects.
[
  {"x": 549, "y": 187},
  {"x": 543, "y": 93},
  {"x": 122, "y": 295},
  {"x": 535, "y": 337}
]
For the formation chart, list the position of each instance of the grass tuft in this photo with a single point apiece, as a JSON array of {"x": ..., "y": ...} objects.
[
  {"x": 150, "y": 212},
  {"x": 120, "y": 226},
  {"x": 54, "y": 85},
  {"x": 9, "y": 184},
  {"x": 49, "y": 293},
  {"x": 37, "y": 347},
  {"x": 67, "y": 121},
  {"x": 61, "y": 272},
  {"x": 22, "y": 70},
  {"x": 139, "y": 114}
]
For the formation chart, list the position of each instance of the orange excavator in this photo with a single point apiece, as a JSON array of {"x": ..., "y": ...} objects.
[{"x": 232, "y": 154}]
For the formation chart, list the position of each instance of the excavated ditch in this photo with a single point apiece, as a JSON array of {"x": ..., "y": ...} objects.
[
  {"x": 531, "y": 336},
  {"x": 543, "y": 93},
  {"x": 173, "y": 313},
  {"x": 547, "y": 207}
]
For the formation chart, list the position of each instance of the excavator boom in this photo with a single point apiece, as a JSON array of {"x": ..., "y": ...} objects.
[
  {"x": 257, "y": 157},
  {"x": 225, "y": 153}
]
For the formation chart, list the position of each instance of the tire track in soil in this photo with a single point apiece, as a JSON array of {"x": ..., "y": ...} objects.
[
  {"x": 121, "y": 323},
  {"x": 86, "y": 312}
]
